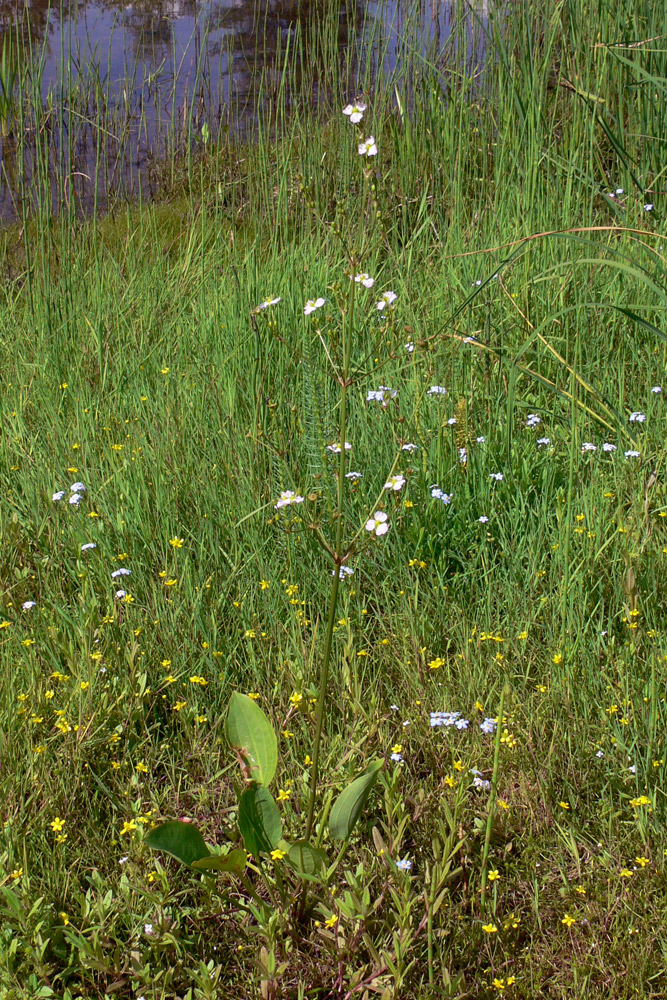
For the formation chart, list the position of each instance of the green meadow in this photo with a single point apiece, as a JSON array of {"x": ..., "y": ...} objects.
[{"x": 463, "y": 612}]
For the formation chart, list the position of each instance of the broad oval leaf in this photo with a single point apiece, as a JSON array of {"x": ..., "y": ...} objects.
[
  {"x": 234, "y": 862},
  {"x": 250, "y": 732},
  {"x": 307, "y": 859},
  {"x": 182, "y": 840},
  {"x": 259, "y": 820},
  {"x": 349, "y": 804}
]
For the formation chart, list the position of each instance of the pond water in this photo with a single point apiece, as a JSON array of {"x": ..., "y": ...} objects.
[{"x": 123, "y": 84}]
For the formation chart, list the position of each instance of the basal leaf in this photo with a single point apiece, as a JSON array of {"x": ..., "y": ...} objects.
[
  {"x": 234, "y": 862},
  {"x": 349, "y": 804},
  {"x": 182, "y": 840},
  {"x": 259, "y": 820},
  {"x": 250, "y": 732}
]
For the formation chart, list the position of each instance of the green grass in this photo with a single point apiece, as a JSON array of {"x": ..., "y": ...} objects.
[{"x": 131, "y": 362}]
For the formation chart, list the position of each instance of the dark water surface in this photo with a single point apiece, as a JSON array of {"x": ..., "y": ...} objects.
[{"x": 95, "y": 94}]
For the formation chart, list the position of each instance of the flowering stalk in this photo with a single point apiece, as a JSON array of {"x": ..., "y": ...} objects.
[
  {"x": 492, "y": 799},
  {"x": 348, "y": 323}
]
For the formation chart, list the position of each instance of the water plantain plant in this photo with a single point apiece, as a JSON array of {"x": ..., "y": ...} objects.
[{"x": 253, "y": 739}]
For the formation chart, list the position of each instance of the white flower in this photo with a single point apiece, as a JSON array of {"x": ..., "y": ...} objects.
[
  {"x": 436, "y": 390},
  {"x": 395, "y": 483},
  {"x": 378, "y": 523},
  {"x": 632, "y": 769},
  {"x": 313, "y": 304},
  {"x": 498, "y": 476},
  {"x": 404, "y": 864},
  {"x": 355, "y": 112},
  {"x": 287, "y": 497},
  {"x": 488, "y": 726},
  {"x": 409, "y": 347},
  {"x": 394, "y": 708},
  {"x": 336, "y": 449},
  {"x": 462, "y": 723},
  {"x": 463, "y": 456},
  {"x": 120, "y": 572},
  {"x": 58, "y": 496},
  {"x": 397, "y": 758},
  {"x": 632, "y": 454},
  {"x": 343, "y": 572},
  {"x": 77, "y": 488},
  {"x": 75, "y": 499},
  {"x": 608, "y": 446},
  {"x": 409, "y": 447},
  {"x": 656, "y": 389},
  {"x": 648, "y": 207},
  {"x": 121, "y": 861},
  {"x": 619, "y": 191},
  {"x": 446, "y": 719},
  {"x": 353, "y": 475},
  {"x": 483, "y": 519},
  {"x": 637, "y": 417},
  {"x": 148, "y": 928},
  {"x": 452, "y": 421},
  {"x": 481, "y": 440},
  {"x": 364, "y": 279},
  {"x": 481, "y": 783},
  {"x": 588, "y": 446},
  {"x": 27, "y": 605},
  {"x": 120, "y": 594},
  {"x": 268, "y": 302},
  {"x": 368, "y": 148},
  {"x": 533, "y": 420},
  {"x": 543, "y": 441},
  {"x": 382, "y": 394},
  {"x": 439, "y": 494},
  {"x": 87, "y": 546},
  {"x": 388, "y": 299},
  {"x": 600, "y": 753}
]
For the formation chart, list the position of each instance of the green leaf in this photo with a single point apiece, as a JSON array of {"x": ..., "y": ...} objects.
[
  {"x": 182, "y": 840},
  {"x": 349, "y": 804},
  {"x": 259, "y": 820},
  {"x": 250, "y": 732},
  {"x": 307, "y": 859},
  {"x": 235, "y": 861}
]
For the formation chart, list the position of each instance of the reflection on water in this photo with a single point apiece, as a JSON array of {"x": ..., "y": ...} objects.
[{"x": 122, "y": 81}]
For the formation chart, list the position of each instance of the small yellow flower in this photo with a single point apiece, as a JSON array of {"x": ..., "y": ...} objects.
[
  {"x": 568, "y": 920},
  {"x": 17, "y": 873},
  {"x": 84, "y": 685},
  {"x": 64, "y": 918},
  {"x": 494, "y": 875},
  {"x": 128, "y": 827},
  {"x": 642, "y": 862},
  {"x": 580, "y": 889},
  {"x": 436, "y": 664},
  {"x": 278, "y": 855},
  {"x": 522, "y": 635},
  {"x": 489, "y": 928},
  {"x": 332, "y": 921},
  {"x": 557, "y": 658},
  {"x": 625, "y": 873},
  {"x": 176, "y": 543},
  {"x": 564, "y": 805},
  {"x": 57, "y": 824},
  {"x": 264, "y": 584},
  {"x": 282, "y": 795},
  {"x": 397, "y": 748},
  {"x": 179, "y": 705},
  {"x": 141, "y": 767},
  {"x": 253, "y": 695},
  {"x": 308, "y": 760}
]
